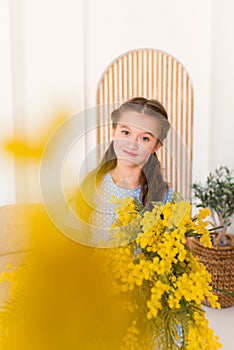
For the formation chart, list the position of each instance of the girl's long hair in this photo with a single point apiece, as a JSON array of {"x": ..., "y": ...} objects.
[{"x": 153, "y": 186}]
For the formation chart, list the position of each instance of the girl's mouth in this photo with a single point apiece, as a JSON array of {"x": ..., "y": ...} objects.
[{"x": 130, "y": 153}]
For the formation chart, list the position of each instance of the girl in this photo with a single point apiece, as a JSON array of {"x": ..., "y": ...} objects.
[{"x": 129, "y": 167}]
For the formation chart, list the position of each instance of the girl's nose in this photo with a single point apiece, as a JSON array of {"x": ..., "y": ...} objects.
[{"x": 133, "y": 145}]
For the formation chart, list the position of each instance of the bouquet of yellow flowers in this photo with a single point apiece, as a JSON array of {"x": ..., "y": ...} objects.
[{"x": 161, "y": 282}]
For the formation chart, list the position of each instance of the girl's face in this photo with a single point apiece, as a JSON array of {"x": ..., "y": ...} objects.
[{"x": 135, "y": 138}]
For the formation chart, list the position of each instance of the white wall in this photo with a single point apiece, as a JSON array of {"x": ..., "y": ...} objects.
[
  {"x": 221, "y": 118},
  {"x": 7, "y": 178},
  {"x": 48, "y": 67},
  {"x": 59, "y": 49}
]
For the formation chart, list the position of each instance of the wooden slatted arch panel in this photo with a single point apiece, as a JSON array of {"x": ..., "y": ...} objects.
[{"x": 153, "y": 74}]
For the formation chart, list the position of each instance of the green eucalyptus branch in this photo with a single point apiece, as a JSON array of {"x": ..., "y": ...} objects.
[{"x": 217, "y": 194}]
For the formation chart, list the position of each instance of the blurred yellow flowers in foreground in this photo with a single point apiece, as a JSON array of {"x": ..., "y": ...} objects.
[{"x": 60, "y": 296}]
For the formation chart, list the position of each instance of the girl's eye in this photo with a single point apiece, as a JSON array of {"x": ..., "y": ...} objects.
[
  {"x": 125, "y": 132},
  {"x": 145, "y": 138}
]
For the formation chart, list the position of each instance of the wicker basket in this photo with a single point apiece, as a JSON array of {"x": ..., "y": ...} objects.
[{"x": 219, "y": 261}]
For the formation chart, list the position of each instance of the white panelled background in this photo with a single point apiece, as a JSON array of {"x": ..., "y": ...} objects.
[
  {"x": 7, "y": 171},
  {"x": 54, "y": 52}
]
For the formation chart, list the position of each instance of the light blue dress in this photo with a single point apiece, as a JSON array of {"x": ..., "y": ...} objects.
[{"x": 104, "y": 214}]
